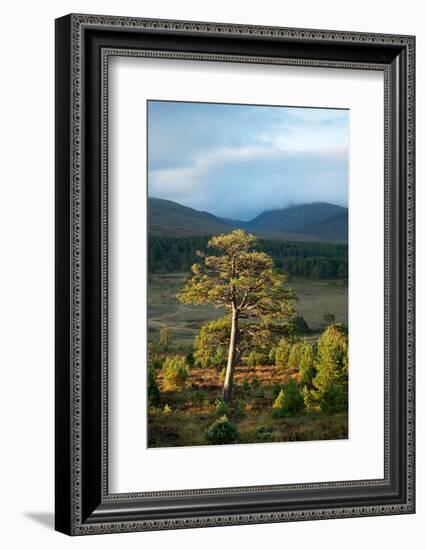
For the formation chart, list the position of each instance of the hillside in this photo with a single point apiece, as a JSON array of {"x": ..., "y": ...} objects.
[
  {"x": 307, "y": 222},
  {"x": 328, "y": 230},
  {"x": 170, "y": 218},
  {"x": 295, "y": 218}
]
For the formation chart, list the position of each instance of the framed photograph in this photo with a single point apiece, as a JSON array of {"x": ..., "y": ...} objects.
[{"x": 234, "y": 274}]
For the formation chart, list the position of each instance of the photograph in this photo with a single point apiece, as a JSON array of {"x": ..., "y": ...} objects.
[{"x": 247, "y": 273}]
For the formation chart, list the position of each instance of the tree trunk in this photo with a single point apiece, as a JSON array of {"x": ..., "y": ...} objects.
[{"x": 229, "y": 376}]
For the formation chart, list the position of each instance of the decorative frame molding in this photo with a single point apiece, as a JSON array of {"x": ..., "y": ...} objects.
[{"x": 84, "y": 44}]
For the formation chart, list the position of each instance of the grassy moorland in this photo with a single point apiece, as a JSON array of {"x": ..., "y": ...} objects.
[{"x": 316, "y": 299}]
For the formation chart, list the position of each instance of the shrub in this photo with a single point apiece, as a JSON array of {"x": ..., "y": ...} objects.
[
  {"x": 289, "y": 401},
  {"x": 255, "y": 358},
  {"x": 307, "y": 370},
  {"x": 245, "y": 386},
  {"x": 272, "y": 355},
  {"x": 154, "y": 395},
  {"x": 331, "y": 364},
  {"x": 334, "y": 399},
  {"x": 175, "y": 373},
  {"x": 221, "y": 408},
  {"x": 190, "y": 359},
  {"x": 152, "y": 352},
  {"x": 254, "y": 383},
  {"x": 221, "y": 432},
  {"x": 282, "y": 353},
  {"x": 256, "y": 388},
  {"x": 294, "y": 356},
  {"x": 263, "y": 434},
  {"x": 309, "y": 400},
  {"x": 199, "y": 396},
  {"x": 183, "y": 396},
  {"x": 276, "y": 388},
  {"x": 240, "y": 411},
  {"x": 167, "y": 410},
  {"x": 300, "y": 325},
  {"x": 296, "y": 325},
  {"x": 154, "y": 358}
]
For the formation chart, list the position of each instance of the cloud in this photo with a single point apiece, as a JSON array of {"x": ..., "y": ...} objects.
[{"x": 236, "y": 161}]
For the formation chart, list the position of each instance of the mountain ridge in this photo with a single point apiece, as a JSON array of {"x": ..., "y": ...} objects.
[{"x": 310, "y": 221}]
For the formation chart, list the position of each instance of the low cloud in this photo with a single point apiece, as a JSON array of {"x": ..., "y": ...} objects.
[{"x": 235, "y": 163}]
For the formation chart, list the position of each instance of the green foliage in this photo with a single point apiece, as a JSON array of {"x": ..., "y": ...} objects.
[
  {"x": 199, "y": 396},
  {"x": 190, "y": 359},
  {"x": 282, "y": 353},
  {"x": 254, "y": 383},
  {"x": 221, "y": 432},
  {"x": 307, "y": 369},
  {"x": 255, "y": 358},
  {"x": 245, "y": 386},
  {"x": 332, "y": 356},
  {"x": 175, "y": 373},
  {"x": 334, "y": 399},
  {"x": 154, "y": 358},
  {"x": 295, "y": 355},
  {"x": 300, "y": 325},
  {"x": 294, "y": 327},
  {"x": 263, "y": 434},
  {"x": 256, "y": 388},
  {"x": 276, "y": 388},
  {"x": 330, "y": 381},
  {"x": 152, "y": 351},
  {"x": 154, "y": 396},
  {"x": 167, "y": 411},
  {"x": 240, "y": 411},
  {"x": 242, "y": 279},
  {"x": 222, "y": 374},
  {"x": 221, "y": 408},
  {"x": 310, "y": 403},
  {"x": 167, "y": 254},
  {"x": 272, "y": 355},
  {"x": 289, "y": 401},
  {"x": 211, "y": 344}
]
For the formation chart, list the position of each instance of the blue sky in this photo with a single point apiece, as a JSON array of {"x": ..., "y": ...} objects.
[{"x": 237, "y": 161}]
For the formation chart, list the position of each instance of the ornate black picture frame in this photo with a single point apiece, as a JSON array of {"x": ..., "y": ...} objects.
[{"x": 83, "y": 45}]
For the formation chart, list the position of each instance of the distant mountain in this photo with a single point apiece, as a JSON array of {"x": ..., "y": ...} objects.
[
  {"x": 295, "y": 218},
  {"x": 307, "y": 222},
  {"x": 333, "y": 229},
  {"x": 170, "y": 218}
]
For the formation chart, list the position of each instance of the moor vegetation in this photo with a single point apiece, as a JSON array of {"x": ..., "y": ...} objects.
[{"x": 255, "y": 371}]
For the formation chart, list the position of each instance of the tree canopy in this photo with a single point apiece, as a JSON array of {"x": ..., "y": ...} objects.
[{"x": 239, "y": 278}]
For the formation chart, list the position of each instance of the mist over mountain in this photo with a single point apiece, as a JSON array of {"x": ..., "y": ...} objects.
[{"x": 319, "y": 221}]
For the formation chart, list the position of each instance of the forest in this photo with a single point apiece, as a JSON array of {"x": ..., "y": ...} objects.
[
  {"x": 317, "y": 260},
  {"x": 247, "y": 367}
]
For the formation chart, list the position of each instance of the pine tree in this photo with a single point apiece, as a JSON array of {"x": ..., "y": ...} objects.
[
  {"x": 331, "y": 364},
  {"x": 245, "y": 283}
]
